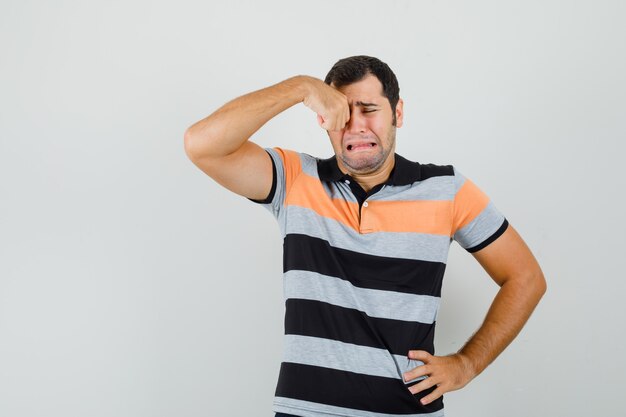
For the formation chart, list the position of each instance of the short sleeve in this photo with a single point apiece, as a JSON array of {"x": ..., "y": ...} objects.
[
  {"x": 286, "y": 167},
  {"x": 476, "y": 220}
]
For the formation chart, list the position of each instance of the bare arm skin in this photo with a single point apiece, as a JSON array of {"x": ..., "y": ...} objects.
[
  {"x": 512, "y": 266},
  {"x": 219, "y": 145}
]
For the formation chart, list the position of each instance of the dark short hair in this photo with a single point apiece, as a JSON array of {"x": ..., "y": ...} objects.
[{"x": 352, "y": 69}]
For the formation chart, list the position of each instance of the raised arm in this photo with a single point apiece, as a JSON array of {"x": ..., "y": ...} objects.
[
  {"x": 513, "y": 267},
  {"x": 219, "y": 145}
]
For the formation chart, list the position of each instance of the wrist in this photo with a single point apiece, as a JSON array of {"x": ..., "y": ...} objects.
[
  {"x": 470, "y": 367},
  {"x": 300, "y": 85}
]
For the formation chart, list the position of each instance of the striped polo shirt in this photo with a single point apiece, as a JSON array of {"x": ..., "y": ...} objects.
[{"x": 362, "y": 279}]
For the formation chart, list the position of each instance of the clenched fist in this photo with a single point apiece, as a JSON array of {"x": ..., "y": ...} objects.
[{"x": 331, "y": 106}]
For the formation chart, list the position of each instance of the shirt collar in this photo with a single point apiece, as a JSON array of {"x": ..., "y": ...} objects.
[{"x": 404, "y": 172}]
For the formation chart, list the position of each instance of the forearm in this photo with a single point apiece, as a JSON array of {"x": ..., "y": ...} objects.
[
  {"x": 511, "y": 308},
  {"x": 228, "y": 128}
]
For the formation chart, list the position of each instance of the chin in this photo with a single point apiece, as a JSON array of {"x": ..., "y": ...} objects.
[{"x": 362, "y": 166}]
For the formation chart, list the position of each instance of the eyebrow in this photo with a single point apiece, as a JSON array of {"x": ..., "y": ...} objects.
[{"x": 364, "y": 104}]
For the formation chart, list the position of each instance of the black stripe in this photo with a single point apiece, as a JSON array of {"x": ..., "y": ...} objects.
[
  {"x": 351, "y": 390},
  {"x": 305, "y": 253},
  {"x": 319, "y": 319},
  {"x": 491, "y": 238},
  {"x": 432, "y": 170}
]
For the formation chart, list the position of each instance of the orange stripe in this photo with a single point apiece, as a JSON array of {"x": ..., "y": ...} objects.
[
  {"x": 311, "y": 194},
  {"x": 292, "y": 165},
  {"x": 469, "y": 202},
  {"x": 418, "y": 216}
]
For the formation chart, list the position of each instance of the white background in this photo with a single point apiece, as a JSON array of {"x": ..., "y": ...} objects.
[{"x": 131, "y": 284}]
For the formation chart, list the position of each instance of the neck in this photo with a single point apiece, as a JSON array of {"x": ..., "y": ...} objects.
[{"x": 369, "y": 180}]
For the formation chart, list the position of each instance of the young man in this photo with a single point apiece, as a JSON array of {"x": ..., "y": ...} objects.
[{"x": 366, "y": 238}]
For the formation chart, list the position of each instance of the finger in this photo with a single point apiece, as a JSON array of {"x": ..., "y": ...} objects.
[
  {"x": 339, "y": 124},
  {"x": 432, "y": 396},
  {"x": 334, "y": 128},
  {"x": 421, "y": 355},
  {"x": 330, "y": 125},
  {"x": 421, "y": 386},
  {"x": 415, "y": 373}
]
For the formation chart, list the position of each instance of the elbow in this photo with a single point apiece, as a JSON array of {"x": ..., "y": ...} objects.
[
  {"x": 530, "y": 285},
  {"x": 200, "y": 142},
  {"x": 538, "y": 285},
  {"x": 197, "y": 143},
  {"x": 189, "y": 143},
  {"x": 543, "y": 285}
]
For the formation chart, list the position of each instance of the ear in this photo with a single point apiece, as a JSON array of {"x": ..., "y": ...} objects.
[{"x": 399, "y": 113}]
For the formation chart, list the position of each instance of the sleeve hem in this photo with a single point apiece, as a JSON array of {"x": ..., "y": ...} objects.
[
  {"x": 490, "y": 239},
  {"x": 270, "y": 197}
]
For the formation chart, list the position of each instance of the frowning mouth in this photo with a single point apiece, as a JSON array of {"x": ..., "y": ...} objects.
[{"x": 361, "y": 146}]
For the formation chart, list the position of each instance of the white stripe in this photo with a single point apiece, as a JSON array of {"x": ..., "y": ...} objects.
[
  {"x": 481, "y": 228},
  {"x": 327, "y": 353},
  {"x": 405, "y": 245},
  {"x": 309, "y": 165},
  {"x": 394, "y": 305},
  {"x": 439, "y": 188}
]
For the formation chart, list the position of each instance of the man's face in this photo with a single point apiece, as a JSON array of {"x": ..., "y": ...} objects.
[{"x": 368, "y": 140}]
